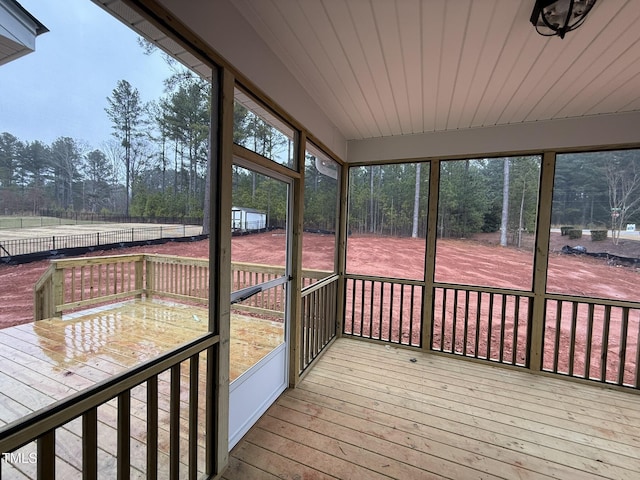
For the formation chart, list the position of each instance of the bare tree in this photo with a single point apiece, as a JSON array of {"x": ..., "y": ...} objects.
[
  {"x": 114, "y": 152},
  {"x": 623, "y": 180}
]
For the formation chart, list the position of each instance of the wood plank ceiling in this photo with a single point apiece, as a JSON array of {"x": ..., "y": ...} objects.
[{"x": 395, "y": 67}]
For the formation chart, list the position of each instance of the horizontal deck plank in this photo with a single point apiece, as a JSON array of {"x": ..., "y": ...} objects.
[
  {"x": 371, "y": 415},
  {"x": 240, "y": 469},
  {"x": 546, "y": 389},
  {"x": 445, "y": 417},
  {"x": 505, "y": 402},
  {"x": 419, "y": 396},
  {"x": 482, "y": 410},
  {"x": 261, "y": 460},
  {"x": 314, "y": 458},
  {"x": 381, "y": 454}
]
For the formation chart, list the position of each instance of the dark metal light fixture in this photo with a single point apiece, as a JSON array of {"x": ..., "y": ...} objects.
[{"x": 557, "y": 17}]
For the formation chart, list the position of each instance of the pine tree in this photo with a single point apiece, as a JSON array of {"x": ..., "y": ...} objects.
[{"x": 126, "y": 112}]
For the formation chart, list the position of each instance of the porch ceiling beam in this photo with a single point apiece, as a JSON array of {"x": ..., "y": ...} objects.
[{"x": 585, "y": 133}]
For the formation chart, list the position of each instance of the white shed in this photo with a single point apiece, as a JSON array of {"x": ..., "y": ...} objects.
[{"x": 247, "y": 219}]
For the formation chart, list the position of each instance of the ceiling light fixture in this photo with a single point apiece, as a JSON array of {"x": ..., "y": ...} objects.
[{"x": 557, "y": 17}]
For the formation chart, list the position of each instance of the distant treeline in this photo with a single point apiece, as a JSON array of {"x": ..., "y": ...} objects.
[{"x": 591, "y": 190}]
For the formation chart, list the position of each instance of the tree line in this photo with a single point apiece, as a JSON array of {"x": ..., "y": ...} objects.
[
  {"x": 152, "y": 164},
  {"x": 393, "y": 199},
  {"x": 64, "y": 175},
  {"x": 591, "y": 190}
]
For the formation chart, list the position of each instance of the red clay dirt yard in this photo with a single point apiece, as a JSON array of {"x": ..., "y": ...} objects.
[{"x": 479, "y": 262}]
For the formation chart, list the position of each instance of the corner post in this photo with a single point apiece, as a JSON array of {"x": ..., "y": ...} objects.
[
  {"x": 430, "y": 255},
  {"x": 540, "y": 261},
  {"x": 341, "y": 250},
  {"x": 295, "y": 322},
  {"x": 150, "y": 277},
  {"x": 218, "y": 359},
  {"x": 139, "y": 275}
]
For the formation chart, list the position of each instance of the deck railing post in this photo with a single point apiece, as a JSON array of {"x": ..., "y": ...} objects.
[
  {"x": 46, "y": 454},
  {"x": 139, "y": 276},
  {"x": 57, "y": 286},
  {"x": 150, "y": 277},
  {"x": 541, "y": 257}
]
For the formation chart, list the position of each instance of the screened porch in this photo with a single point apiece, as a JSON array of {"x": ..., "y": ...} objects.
[{"x": 427, "y": 320}]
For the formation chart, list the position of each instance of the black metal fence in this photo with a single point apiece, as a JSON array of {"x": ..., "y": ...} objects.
[{"x": 58, "y": 244}]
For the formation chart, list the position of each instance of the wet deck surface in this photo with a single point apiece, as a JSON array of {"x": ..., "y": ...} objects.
[
  {"x": 44, "y": 361},
  {"x": 48, "y": 360}
]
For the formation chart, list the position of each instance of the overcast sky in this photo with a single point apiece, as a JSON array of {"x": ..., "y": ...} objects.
[{"x": 62, "y": 87}]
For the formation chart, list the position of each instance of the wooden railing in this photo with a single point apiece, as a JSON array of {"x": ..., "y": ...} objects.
[
  {"x": 477, "y": 322},
  {"x": 389, "y": 310},
  {"x": 158, "y": 385},
  {"x": 180, "y": 278},
  {"x": 592, "y": 339},
  {"x": 70, "y": 284},
  {"x": 319, "y": 316},
  {"x": 581, "y": 338}
]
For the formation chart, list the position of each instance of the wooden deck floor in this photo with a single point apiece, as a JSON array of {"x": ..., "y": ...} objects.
[
  {"x": 48, "y": 360},
  {"x": 369, "y": 411}
]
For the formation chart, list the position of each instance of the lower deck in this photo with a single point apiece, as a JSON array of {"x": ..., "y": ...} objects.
[
  {"x": 48, "y": 360},
  {"x": 373, "y": 411}
]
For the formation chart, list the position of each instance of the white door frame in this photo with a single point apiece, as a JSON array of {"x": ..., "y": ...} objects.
[{"x": 251, "y": 394}]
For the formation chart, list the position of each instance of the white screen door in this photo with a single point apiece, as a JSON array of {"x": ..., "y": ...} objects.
[{"x": 260, "y": 256}]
